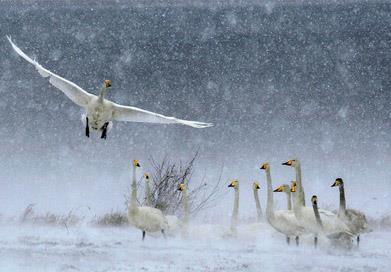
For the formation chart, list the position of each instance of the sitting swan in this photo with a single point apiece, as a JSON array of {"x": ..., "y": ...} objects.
[
  {"x": 147, "y": 219},
  {"x": 256, "y": 187},
  {"x": 100, "y": 112},
  {"x": 354, "y": 219},
  {"x": 305, "y": 215},
  {"x": 283, "y": 221}
]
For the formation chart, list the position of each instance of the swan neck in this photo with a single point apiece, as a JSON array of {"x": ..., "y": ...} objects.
[
  {"x": 186, "y": 207},
  {"x": 342, "y": 201},
  {"x": 133, "y": 199},
  {"x": 102, "y": 93},
  {"x": 258, "y": 205},
  {"x": 289, "y": 200},
  {"x": 300, "y": 199},
  {"x": 269, "y": 203},
  {"x": 235, "y": 212},
  {"x": 317, "y": 215},
  {"x": 148, "y": 196}
]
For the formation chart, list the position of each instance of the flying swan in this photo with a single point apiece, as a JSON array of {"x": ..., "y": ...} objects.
[{"x": 100, "y": 112}]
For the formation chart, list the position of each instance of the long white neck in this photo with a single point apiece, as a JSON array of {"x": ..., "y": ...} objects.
[
  {"x": 133, "y": 199},
  {"x": 148, "y": 196},
  {"x": 102, "y": 93},
  {"x": 300, "y": 197},
  {"x": 289, "y": 200},
  {"x": 258, "y": 205},
  {"x": 235, "y": 212},
  {"x": 342, "y": 201},
  {"x": 317, "y": 216},
  {"x": 269, "y": 205}
]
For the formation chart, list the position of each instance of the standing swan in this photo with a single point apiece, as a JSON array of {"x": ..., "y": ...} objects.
[
  {"x": 235, "y": 213},
  {"x": 183, "y": 189},
  {"x": 256, "y": 187},
  {"x": 354, "y": 219},
  {"x": 100, "y": 112},
  {"x": 283, "y": 221},
  {"x": 287, "y": 190},
  {"x": 296, "y": 164},
  {"x": 146, "y": 219}
]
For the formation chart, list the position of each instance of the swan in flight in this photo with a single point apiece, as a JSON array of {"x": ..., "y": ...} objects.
[
  {"x": 100, "y": 112},
  {"x": 354, "y": 219}
]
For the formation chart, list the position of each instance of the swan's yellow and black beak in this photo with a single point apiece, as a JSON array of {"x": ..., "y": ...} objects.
[
  {"x": 338, "y": 182},
  {"x": 289, "y": 163},
  {"x": 136, "y": 163},
  {"x": 314, "y": 200},
  {"x": 181, "y": 187},
  {"x": 279, "y": 189},
  {"x": 233, "y": 183},
  {"x": 107, "y": 83},
  {"x": 264, "y": 166},
  {"x": 293, "y": 187},
  {"x": 256, "y": 186},
  {"x": 146, "y": 175}
]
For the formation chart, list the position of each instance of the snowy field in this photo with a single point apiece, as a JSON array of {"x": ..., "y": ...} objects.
[{"x": 32, "y": 248}]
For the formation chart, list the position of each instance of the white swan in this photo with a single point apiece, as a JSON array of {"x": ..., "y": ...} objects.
[
  {"x": 235, "y": 212},
  {"x": 339, "y": 238},
  {"x": 256, "y": 187},
  {"x": 285, "y": 188},
  {"x": 354, "y": 219},
  {"x": 186, "y": 212},
  {"x": 305, "y": 215},
  {"x": 147, "y": 219},
  {"x": 100, "y": 112},
  {"x": 283, "y": 221}
]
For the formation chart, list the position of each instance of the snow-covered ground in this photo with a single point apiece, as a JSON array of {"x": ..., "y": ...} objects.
[{"x": 33, "y": 248}]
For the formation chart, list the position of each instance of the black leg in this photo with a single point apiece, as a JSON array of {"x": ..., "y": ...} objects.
[
  {"x": 288, "y": 240},
  {"x": 87, "y": 128},
  {"x": 297, "y": 240},
  {"x": 315, "y": 241},
  {"x": 104, "y": 131},
  {"x": 358, "y": 240},
  {"x": 143, "y": 235},
  {"x": 164, "y": 233}
]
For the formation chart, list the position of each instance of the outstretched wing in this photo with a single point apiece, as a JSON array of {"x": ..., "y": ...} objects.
[
  {"x": 133, "y": 114},
  {"x": 70, "y": 89}
]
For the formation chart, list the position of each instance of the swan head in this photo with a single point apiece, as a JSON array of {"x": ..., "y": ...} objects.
[
  {"x": 338, "y": 182},
  {"x": 293, "y": 186},
  {"x": 256, "y": 186},
  {"x": 314, "y": 200},
  {"x": 234, "y": 184},
  {"x": 181, "y": 187},
  {"x": 146, "y": 176},
  {"x": 293, "y": 163},
  {"x": 107, "y": 83},
  {"x": 283, "y": 188},
  {"x": 136, "y": 163},
  {"x": 265, "y": 166}
]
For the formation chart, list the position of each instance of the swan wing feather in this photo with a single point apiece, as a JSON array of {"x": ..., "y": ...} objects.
[
  {"x": 70, "y": 89},
  {"x": 133, "y": 114}
]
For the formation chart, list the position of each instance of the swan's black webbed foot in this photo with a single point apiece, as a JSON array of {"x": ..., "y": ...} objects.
[
  {"x": 297, "y": 240},
  {"x": 315, "y": 241},
  {"x": 358, "y": 240},
  {"x": 104, "y": 131},
  {"x": 87, "y": 128},
  {"x": 143, "y": 235},
  {"x": 163, "y": 233},
  {"x": 288, "y": 240}
]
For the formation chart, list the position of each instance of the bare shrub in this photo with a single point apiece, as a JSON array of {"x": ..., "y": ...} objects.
[
  {"x": 111, "y": 219},
  {"x": 165, "y": 177}
]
